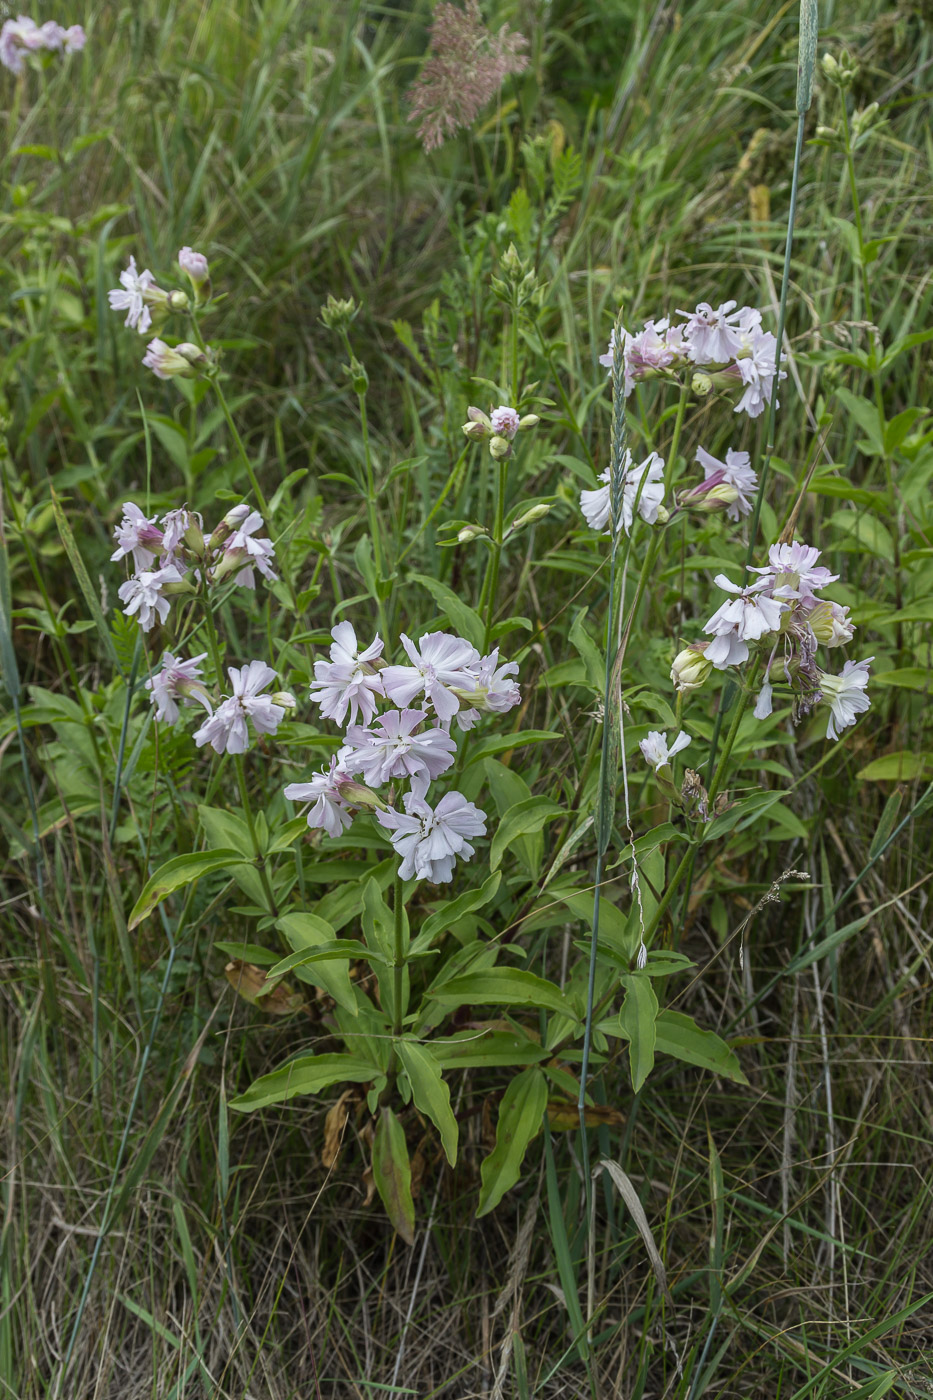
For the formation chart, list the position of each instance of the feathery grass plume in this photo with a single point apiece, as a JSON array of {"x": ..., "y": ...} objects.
[{"x": 466, "y": 67}]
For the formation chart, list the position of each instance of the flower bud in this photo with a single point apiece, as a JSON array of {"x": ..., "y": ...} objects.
[
  {"x": 178, "y": 301},
  {"x": 701, "y": 384},
  {"x": 358, "y": 795},
  {"x": 475, "y": 432},
  {"x": 195, "y": 266},
  {"x": 718, "y": 497},
  {"x": 337, "y": 315},
  {"x": 358, "y": 376},
  {"x": 691, "y": 668},
  {"x": 193, "y": 537},
  {"x": 827, "y": 133},
  {"x": 511, "y": 263},
  {"x": 499, "y": 447},
  {"x": 285, "y": 699},
  {"x": 528, "y": 420},
  {"x": 184, "y": 361},
  {"x": 470, "y": 533},
  {"x": 537, "y": 512},
  {"x": 663, "y": 515}
]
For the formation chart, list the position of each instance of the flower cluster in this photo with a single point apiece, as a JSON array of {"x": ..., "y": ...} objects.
[
  {"x": 725, "y": 349},
  {"x": 148, "y": 305},
  {"x": 498, "y": 427},
  {"x": 171, "y": 557},
  {"x": 21, "y": 37},
  {"x": 642, "y": 490},
  {"x": 780, "y": 611},
  {"x": 446, "y": 680}
]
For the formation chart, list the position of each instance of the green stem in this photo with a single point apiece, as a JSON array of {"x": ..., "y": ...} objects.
[
  {"x": 491, "y": 581},
  {"x": 258, "y": 857},
  {"x": 398, "y": 909},
  {"x": 675, "y": 440},
  {"x": 241, "y": 448}
]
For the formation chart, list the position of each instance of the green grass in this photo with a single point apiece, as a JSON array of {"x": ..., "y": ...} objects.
[{"x": 793, "y": 1216}]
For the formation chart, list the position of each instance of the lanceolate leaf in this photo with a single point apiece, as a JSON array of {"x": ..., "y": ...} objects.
[
  {"x": 637, "y": 1019},
  {"x": 308, "y": 1074},
  {"x": 680, "y": 1036},
  {"x": 520, "y": 820},
  {"x": 520, "y": 1119},
  {"x": 309, "y": 934},
  {"x": 503, "y": 986},
  {"x": 175, "y": 874},
  {"x": 430, "y": 1093},
  {"x": 392, "y": 1174}
]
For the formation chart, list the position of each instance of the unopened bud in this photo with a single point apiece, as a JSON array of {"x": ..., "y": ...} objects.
[
  {"x": 701, "y": 384},
  {"x": 715, "y": 498},
  {"x": 537, "y": 512},
  {"x": 357, "y": 795},
  {"x": 511, "y": 263},
  {"x": 285, "y": 699},
  {"x": 499, "y": 447},
  {"x": 691, "y": 668},
  {"x": 528, "y": 420},
  {"x": 358, "y": 376},
  {"x": 337, "y": 315},
  {"x": 826, "y": 133},
  {"x": 193, "y": 537},
  {"x": 470, "y": 533},
  {"x": 178, "y": 301},
  {"x": 663, "y": 515},
  {"x": 476, "y": 432}
]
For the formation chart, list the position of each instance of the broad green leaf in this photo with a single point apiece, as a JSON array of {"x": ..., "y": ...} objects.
[
  {"x": 175, "y": 874},
  {"x": 503, "y": 986},
  {"x": 430, "y": 1093},
  {"x": 680, "y": 1036},
  {"x": 521, "y": 1115},
  {"x": 392, "y": 1174},
  {"x": 444, "y": 919},
  {"x": 914, "y": 612},
  {"x": 307, "y": 932},
  {"x": 462, "y": 618},
  {"x": 908, "y": 678},
  {"x": 340, "y": 950},
  {"x": 868, "y": 532},
  {"x": 504, "y": 743},
  {"x": 248, "y": 952},
  {"x": 865, "y": 414},
  {"x": 81, "y": 573},
  {"x": 637, "y": 1019},
  {"x": 521, "y": 820},
  {"x": 474, "y": 1049},
  {"x": 898, "y": 767},
  {"x": 590, "y": 653},
  {"x": 308, "y": 1074},
  {"x": 225, "y": 831}
]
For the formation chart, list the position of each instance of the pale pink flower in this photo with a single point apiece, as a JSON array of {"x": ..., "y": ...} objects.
[
  {"x": 735, "y": 471},
  {"x": 144, "y": 595},
  {"x": 244, "y": 551},
  {"x": 184, "y": 361},
  {"x": 596, "y": 505},
  {"x": 349, "y": 681},
  {"x": 226, "y": 730},
  {"x": 792, "y": 572},
  {"x": 175, "y": 525},
  {"x": 442, "y": 670},
  {"x": 504, "y": 422},
  {"x": 429, "y": 841},
  {"x": 194, "y": 264},
  {"x": 177, "y": 680},
  {"x": 328, "y": 809},
  {"x": 756, "y": 367},
  {"x": 137, "y": 535},
  {"x": 845, "y": 695},
  {"x": 398, "y": 746},
  {"x": 714, "y": 337},
  {"x": 751, "y": 615}
]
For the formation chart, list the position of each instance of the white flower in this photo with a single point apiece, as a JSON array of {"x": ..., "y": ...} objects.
[
  {"x": 747, "y": 617},
  {"x": 348, "y": 681},
  {"x": 845, "y": 695},
  {"x": 757, "y": 369},
  {"x": 691, "y": 667},
  {"x": 596, "y": 505},
  {"x": 734, "y": 471},
  {"x": 138, "y": 535},
  {"x": 244, "y": 550},
  {"x": 132, "y": 298},
  {"x": 177, "y": 680},
  {"x": 429, "y": 841},
  {"x": 328, "y": 809},
  {"x": 831, "y": 624},
  {"x": 393, "y": 749},
  {"x": 440, "y": 669},
  {"x": 763, "y": 705},
  {"x": 495, "y": 691},
  {"x": 226, "y": 729},
  {"x": 143, "y": 595},
  {"x": 655, "y": 750},
  {"x": 175, "y": 524},
  {"x": 504, "y": 422}
]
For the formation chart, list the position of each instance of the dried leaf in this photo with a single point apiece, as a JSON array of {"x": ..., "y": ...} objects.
[
  {"x": 334, "y": 1126},
  {"x": 563, "y": 1117},
  {"x": 251, "y": 983}
]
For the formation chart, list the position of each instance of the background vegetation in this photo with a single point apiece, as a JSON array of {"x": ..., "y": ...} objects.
[{"x": 642, "y": 159}]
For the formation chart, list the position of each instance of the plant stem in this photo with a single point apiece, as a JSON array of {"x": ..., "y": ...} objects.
[
  {"x": 491, "y": 581},
  {"x": 398, "y": 910},
  {"x": 258, "y": 857}
]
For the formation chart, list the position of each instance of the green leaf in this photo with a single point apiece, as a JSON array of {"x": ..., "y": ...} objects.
[
  {"x": 869, "y": 532},
  {"x": 308, "y": 1074},
  {"x": 521, "y": 1115},
  {"x": 392, "y": 1174},
  {"x": 462, "y": 618},
  {"x": 504, "y": 743},
  {"x": 589, "y": 651},
  {"x": 521, "y": 820},
  {"x": 680, "y": 1036},
  {"x": 340, "y": 950},
  {"x": 430, "y": 1093},
  {"x": 502, "y": 986},
  {"x": 175, "y": 874},
  {"x": 898, "y": 767},
  {"x": 909, "y": 678},
  {"x": 473, "y": 1050},
  {"x": 225, "y": 831},
  {"x": 81, "y": 573},
  {"x": 444, "y": 919},
  {"x": 637, "y": 1020},
  {"x": 307, "y": 932},
  {"x": 248, "y": 952}
]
